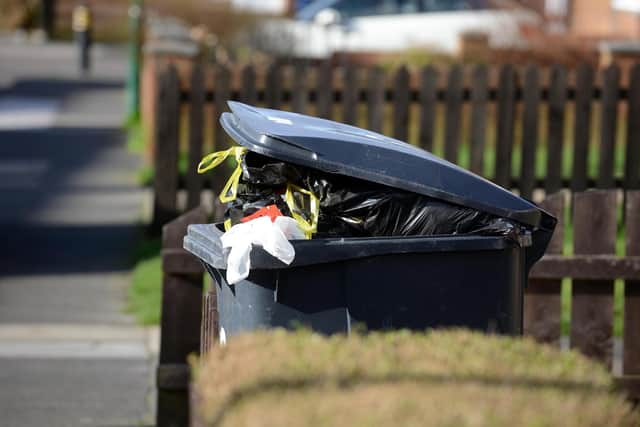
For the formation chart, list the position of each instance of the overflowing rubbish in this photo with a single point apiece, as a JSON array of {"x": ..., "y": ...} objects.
[
  {"x": 270, "y": 202},
  {"x": 332, "y": 226},
  {"x": 272, "y": 235},
  {"x": 329, "y": 205}
]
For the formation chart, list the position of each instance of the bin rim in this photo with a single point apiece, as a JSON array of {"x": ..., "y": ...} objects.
[
  {"x": 203, "y": 241},
  {"x": 347, "y": 150}
]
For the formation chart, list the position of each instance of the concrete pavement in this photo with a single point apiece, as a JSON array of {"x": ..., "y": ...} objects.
[{"x": 70, "y": 211}]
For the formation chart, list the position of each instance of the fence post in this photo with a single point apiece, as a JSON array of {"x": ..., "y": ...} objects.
[
  {"x": 180, "y": 324},
  {"x": 594, "y": 228},
  {"x": 632, "y": 157},
  {"x": 165, "y": 181},
  {"x": 631, "y": 364},
  {"x": 542, "y": 296}
]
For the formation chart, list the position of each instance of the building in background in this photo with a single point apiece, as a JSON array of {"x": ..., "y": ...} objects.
[{"x": 604, "y": 19}]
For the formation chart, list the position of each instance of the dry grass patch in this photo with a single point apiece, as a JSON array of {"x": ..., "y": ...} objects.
[{"x": 442, "y": 378}]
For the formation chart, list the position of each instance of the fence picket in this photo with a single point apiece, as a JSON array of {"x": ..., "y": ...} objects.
[
  {"x": 555, "y": 129},
  {"x": 299, "y": 94},
  {"x": 504, "y": 125},
  {"x": 531, "y": 107},
  {"x": 428, "y": 86},
  {"x": 608, "y": 126},
  {"x": 478, "y": 129},
  {"x": 542, "y": 296},
  {"x": 631, "y": 364},
  {"x": 350, "y": 94},
  {"x": 582, "y": 127},
  {"x": 324, "y": 90},
  {"x": 453, "y": 119},
  {"x": 592, "y": 304},
  {"x": 273, "y": 86},
  {"x": 248, "y": 93},
  {"x": 632, "y": 158},
  {"x": 196, "y": 129},
  {"x": 375, "y": 99},
  {"x": 401, "y": 105},
  {"x": 220, "y": 141}
]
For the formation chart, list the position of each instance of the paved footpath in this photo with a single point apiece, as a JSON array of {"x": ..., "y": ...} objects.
[{"x": 69, "y": 214}]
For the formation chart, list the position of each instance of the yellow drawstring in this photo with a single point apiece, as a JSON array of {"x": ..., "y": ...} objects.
[
  {"x": 308, "y": 227},
  {"x": 211, "y": 161},
  {"x": 230, "y": 190}
]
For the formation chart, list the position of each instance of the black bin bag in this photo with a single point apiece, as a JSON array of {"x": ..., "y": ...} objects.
[
  {"x": 350, "y": 207},
  {"x": 404, "y": 238}
]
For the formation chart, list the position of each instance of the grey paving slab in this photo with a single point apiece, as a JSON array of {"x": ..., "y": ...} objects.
[
  {"x": 69, "y": 215},
  {"x": 58, "y": 61},
  {"x": 73, "y": 392},
  {"x": 90, "y": 299}
]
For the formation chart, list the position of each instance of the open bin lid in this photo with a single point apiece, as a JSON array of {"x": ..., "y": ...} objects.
[{"x": 351, "y": 151}]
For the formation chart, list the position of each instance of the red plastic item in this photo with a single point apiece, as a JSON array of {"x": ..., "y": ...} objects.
[{"x": 271, "y": 211}]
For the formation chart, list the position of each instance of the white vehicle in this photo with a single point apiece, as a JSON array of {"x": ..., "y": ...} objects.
[{"x": 328, "y": 26}]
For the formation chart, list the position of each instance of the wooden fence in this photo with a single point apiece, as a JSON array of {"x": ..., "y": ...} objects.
[
  {"x": 593, "y": 267},
  {"x": 525, "y": 129}
]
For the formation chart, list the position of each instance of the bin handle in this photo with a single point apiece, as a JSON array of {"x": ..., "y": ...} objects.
[
  {"x": 308, "y": 227},
  {"x": 213, "y": 160}
]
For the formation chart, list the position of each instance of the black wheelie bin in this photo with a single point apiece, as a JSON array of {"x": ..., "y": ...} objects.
[{"x": 338, "y": 283}]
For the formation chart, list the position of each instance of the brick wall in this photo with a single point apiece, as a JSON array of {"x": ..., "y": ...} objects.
[{"x": 595, "y": 19}]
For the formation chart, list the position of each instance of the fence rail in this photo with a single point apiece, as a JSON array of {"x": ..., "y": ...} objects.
[
  {"x": 528, "y": 129},
  {"x": 593, "y": 267}
]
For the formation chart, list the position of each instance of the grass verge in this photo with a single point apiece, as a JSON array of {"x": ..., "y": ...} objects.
[{"x": 145, "y": 290}]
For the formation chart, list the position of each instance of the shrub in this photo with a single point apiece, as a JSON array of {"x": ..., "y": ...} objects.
[{"x": 441, "y": 378}]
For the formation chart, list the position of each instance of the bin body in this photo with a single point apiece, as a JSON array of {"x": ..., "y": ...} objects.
[{"x": 337, "y": 285}]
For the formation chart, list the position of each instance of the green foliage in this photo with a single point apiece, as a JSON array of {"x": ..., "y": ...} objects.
[
  {"x": 145, "y": 176},
  {"x": 135, "y": 136}
]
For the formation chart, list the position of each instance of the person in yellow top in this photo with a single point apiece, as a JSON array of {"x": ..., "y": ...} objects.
[{"x": 81, "y": 25}]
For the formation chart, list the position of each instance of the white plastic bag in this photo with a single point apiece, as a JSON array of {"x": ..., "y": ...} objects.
[{"x": 272, "y": 236}]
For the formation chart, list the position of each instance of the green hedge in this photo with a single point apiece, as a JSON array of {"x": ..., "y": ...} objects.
[{"x": 442, "y": 378}]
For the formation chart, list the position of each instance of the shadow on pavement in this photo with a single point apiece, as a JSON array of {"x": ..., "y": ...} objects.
[
  {"x": 67, "y": 195},
  {"x": 55, "y": 88}
]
